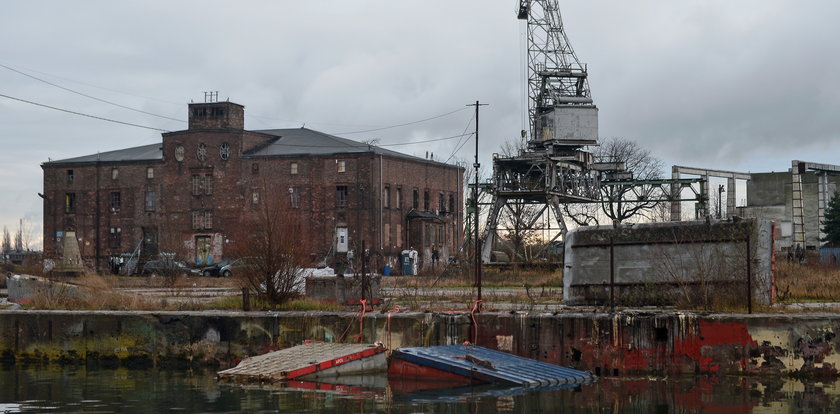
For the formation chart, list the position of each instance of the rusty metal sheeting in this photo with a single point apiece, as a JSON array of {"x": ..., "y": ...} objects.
[
  {"x": 490, "y": 366},
  {"x": 298, "y": 362}
]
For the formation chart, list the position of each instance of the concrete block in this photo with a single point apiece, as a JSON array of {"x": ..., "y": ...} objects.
[{"x": 669, "y": 263}]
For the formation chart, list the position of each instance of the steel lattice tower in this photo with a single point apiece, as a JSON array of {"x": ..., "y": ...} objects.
[{"x": 554, "y": 169}]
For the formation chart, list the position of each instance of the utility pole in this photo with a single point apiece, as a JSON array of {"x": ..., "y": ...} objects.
[{"x": 476, "y": 247}]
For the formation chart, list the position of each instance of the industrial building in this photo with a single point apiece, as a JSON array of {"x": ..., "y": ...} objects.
[
  {"x": 190, "y": 194},
  {"x": 795, "y": 199}
]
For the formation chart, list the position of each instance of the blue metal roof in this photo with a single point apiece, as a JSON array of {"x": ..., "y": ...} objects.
[{"x": 492, "y": 366}]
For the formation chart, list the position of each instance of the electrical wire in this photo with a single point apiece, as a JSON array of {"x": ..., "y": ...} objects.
[
  {"x": 401, "y": 125},
  {"x": 460, "y": 145},
  {"x": 81, "y": 114},
  {"x": 425, "y": 141},
  {"x": 179, "y": 104},
  {"x": 89, "y": 96}
]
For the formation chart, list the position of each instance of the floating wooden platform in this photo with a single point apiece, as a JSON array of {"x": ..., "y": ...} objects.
[
  {"x": 475, "y": 364},
  {"x": 309, "y": 361}
]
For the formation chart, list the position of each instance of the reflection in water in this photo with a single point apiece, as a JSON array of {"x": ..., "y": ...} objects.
[{"x": 37, "y": 388}]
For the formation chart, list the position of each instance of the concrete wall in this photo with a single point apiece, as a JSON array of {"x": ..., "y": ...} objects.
[
  {"x": 625, "y": 343},
  {"x": 666, "y": 263}
]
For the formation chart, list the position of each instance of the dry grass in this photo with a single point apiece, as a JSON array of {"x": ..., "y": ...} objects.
[
  {"x": 805, "y": 283},
  {"x": 490, "y": 278}
]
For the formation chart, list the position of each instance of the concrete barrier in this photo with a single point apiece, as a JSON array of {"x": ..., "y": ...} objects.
[
  {"x": 693, "y": 263},
  {"x": 624, "y": 343}
]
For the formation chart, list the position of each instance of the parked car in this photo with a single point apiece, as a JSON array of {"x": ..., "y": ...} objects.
[
  {"x": 165, "y": 267},
  {"x": 223, "y": 268}
]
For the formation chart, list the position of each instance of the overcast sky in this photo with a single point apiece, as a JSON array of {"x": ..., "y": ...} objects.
[{"x": 737, "y": 85}]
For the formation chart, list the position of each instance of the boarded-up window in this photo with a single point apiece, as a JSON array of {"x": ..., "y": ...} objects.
[
  {"x": 70, "y": 203},
  {"x": 399, "y": 235},
  {"x": 386, "y": 235},
  {"x": 151, "y": 201},
  {"x": 115, "y": 238},
  {"x": 386, "y": 197}
]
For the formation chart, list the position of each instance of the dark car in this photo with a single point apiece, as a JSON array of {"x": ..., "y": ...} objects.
[
  {"x": 223, "y": 268},
  {"x": 164, "y": 267}
]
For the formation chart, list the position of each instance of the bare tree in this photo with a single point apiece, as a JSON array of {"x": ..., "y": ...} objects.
[
  {"x": 7, "y": 241},
  {"x": 622, "y": 202},
  {"x": 271, "y": 248}
]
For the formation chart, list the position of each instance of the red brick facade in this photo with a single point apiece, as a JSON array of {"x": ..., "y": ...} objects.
[{"x": 191, "y": 193}]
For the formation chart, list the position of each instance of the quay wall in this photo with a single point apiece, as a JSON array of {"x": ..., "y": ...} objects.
[{"x": 608, "y": 344}]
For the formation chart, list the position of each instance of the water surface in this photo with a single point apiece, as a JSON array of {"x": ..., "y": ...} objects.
[{"x": 72, "y": 388}]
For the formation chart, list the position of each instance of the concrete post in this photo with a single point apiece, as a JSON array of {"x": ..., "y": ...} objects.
[{"x": 730, "y": 197}]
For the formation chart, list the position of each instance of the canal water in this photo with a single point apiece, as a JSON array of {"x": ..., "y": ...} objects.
[{"x": 28, "y": 388}]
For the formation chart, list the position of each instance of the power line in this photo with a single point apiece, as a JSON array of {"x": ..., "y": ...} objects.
[
  {"x": 104, "y": 89},
  {"x": 88, "y": 96},
  {"x": 81, "y": 114},
  {"x": 460, "y": 145},
  {"x": 401, "y": 125},
  {"x": 428, "y": 140}
]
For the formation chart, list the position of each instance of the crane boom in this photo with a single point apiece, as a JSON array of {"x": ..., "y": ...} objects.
[{"x": 560, "y": 105}]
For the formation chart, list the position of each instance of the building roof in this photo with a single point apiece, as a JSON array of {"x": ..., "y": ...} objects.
[
  {"x": 151, "y": 152},
  {"x": 288, "y": 142},
  {"x": 305, "y": 141}
]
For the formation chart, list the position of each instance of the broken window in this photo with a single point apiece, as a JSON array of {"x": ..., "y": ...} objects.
[
  {"x": 441, "y": 202},
  {"x": 255, "y": 168},
  {"x": 294, "y": 197},
  {"x": 208, "y": 184},
  {"x": 415, "y": 202},
  {"x": 115, "y": 201},
  {"x": 115, "y": 173},
  {"x": 451, "y": 203},
  {"x": 150, "y": 172},
  {"x": 115, "y": 238},
  {"x": 69, "y": 176},
  {"x": 196, "y": 184},
  {"x": 341, "y": 196},
  {"x": 426, "y": 200},
  {"x": 70, "y": 203},
  {"x": 255, "y": 196},
  {"x": 342, "y": 167},
  {"x": 151, "y": 200},
  {"x": 196, "y": 220},
  {"x": 202, "y": 219}
]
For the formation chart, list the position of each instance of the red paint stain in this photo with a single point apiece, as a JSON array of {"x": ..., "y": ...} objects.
[{"x": 709, "y": 346}]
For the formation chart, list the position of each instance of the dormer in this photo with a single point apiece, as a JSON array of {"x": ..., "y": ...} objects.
[{"x": 215, "y": 115}]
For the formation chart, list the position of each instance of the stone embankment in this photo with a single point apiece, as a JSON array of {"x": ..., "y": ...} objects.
[{"x": 622, "y": 343}]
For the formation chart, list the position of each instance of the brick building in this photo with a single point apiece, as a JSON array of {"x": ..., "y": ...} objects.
[{"x": 190, "y": 194}]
